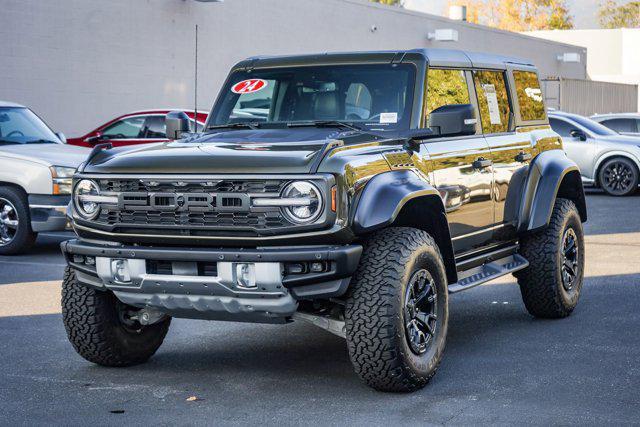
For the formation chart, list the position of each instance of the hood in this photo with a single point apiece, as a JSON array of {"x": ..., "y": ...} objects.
[
  {"x": 238, "y": 151},
  {"x": 47, "y": 154},
  {"x": 620, "y": 139}
]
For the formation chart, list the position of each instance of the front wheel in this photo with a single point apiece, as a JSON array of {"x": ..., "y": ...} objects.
[
  {"x": 16, "y": 235},
  {"x": 619, "y": 177},
  {"x": 103, "y": 330},
  {"x": 397, "y": 310}
]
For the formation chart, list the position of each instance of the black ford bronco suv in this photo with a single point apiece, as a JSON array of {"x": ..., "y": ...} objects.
[{"x": 355, "y": 191}]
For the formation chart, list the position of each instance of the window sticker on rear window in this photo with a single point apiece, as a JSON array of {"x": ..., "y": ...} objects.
[
  {"x": 492, "y": 102},
  {"x": 249, "y": 86},
  {"x": 388, "y": 117}
]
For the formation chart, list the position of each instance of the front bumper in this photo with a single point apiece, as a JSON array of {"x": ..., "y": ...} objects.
[
  {"x": 203, "y": 283},
  {"x": 48, "y": 212}
]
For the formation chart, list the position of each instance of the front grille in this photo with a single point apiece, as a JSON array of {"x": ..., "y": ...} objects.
[
  {"x": 212, "y": 186},
  {"x": 228, "y": 207}
]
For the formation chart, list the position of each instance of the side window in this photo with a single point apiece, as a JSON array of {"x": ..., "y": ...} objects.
[
  {"x": 620, "y": 125},
  {"x": 561, "y": 127},
  {"x": 358, "y": 102},
  {"x": 445, "y": 87},
  {"x": 127, "y": 128},
  {"x": 529, "y": 95},
  {"x": 154, "y": 127},
  {"x": 493, "y": 101}
]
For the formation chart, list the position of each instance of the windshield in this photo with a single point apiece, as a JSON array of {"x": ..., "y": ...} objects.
[
  {"x": 364, "y": 96},
  {"x": 19, "y": 125},
  {"x": 593, "y": 126}
]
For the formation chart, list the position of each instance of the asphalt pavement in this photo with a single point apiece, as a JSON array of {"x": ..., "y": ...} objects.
[{"x": 501, "y": 366}]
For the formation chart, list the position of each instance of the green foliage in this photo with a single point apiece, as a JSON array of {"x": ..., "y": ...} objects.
[
  {"x": 389, "y": 2},
  {"x": 446, "y": 87},
  {"x": 611, "y": 15}
]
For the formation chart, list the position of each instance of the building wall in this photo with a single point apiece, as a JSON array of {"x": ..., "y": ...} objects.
[
  {"x": 612, "y": 55},
  {"x": 80, "y": 62},
  {"x": 589, "y": 97}
]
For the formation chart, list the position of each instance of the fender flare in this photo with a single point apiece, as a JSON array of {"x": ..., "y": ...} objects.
[
  {"x": 550, "y": 173},
  {"x": 384, "y": 196},
  {"x": 402, "y": 197}
]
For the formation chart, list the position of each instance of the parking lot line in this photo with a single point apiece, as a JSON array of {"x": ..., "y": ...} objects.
[{"x": 36, "y": 298}]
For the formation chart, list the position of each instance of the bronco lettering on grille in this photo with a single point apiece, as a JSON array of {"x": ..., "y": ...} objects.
[{"x": 184, "y": 202}]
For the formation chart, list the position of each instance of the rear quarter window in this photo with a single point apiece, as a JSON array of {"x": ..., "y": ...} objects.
[{"x": 529, "y": 96}]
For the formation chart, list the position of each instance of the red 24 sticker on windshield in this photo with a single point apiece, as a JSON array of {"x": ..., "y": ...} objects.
[{"x": 249, "y": 86}]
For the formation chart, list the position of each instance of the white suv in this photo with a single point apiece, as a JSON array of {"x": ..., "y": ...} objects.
[{"x": 35, "y": 178}]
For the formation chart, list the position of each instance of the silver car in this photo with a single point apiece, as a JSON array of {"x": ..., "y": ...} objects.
[
  {"x": 606, "y": 159},
  {"x": 624, "y": 123}
]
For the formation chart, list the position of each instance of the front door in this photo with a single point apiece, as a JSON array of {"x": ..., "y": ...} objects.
[{"x": 462, "y": 166}]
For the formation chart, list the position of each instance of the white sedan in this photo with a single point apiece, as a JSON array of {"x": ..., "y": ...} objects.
[{"x": 35, "y": 178}]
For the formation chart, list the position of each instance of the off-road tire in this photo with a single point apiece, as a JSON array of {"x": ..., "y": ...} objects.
[
  {"x": 25, "y": 237},
  {"x": 541, "y": 283},
  {"x": 374, "y": 316},
  {"x": 93, "y": 326}
]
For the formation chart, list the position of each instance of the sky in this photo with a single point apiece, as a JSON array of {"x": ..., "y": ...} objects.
[{"x": 583, "y": 11}]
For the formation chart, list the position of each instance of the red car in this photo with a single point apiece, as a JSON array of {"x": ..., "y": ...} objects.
[{"x": 140, "y": 127}]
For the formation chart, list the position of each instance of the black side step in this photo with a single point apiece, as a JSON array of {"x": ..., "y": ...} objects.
[{"x": 489, "y": 271}]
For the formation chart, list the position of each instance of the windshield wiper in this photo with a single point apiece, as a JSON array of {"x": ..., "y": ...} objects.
[
  {"x": 324, "y": 123},
  {"x": 241, "y": 125},
  {"x": 6, "y": 141},
  {"x": 41, "y": 141}
]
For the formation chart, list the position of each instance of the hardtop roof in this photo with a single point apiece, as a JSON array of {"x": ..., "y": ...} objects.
[{"x": 435, "y": 58}]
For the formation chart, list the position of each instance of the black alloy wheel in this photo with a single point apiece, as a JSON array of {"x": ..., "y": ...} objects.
[
  {"x": 420, "y": 311},
  {"x": 619, "y": 177}
]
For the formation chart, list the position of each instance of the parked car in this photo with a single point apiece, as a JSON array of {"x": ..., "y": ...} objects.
[
  {"x": 35, "y": 178},
  {"x": 313, "y": 213},
  {"x": 139, "y": 127},
  {"x": 623, "y": 123},
  {"x": 606, "y": 159}
]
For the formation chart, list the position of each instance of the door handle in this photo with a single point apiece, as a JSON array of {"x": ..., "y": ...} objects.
[
  {"x": 523, "y": 157},
  {"x": 481, "y": 163}
]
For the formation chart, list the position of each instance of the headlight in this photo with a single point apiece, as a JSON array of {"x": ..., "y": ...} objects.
[
  {"x": 84, "y": 191},
  {"x": 62, "y": 179},
  {"x": 306, "y": 203}
]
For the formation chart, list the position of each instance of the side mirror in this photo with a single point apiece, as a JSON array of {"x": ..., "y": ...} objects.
[
  {"x": 61, "y": 137},
  {"x": 578, "y": 134},
  {"x": 177, "y": 123},
  {"x": 96, "y": 138},
  {"x": 453, "y": 119}
]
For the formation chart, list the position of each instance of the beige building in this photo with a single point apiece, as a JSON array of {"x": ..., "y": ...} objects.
[{"x": 612, "y": 55}]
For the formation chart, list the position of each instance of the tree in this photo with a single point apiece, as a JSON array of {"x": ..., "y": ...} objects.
[
  {"x": 518, "y": 15},
  {"x": 612, "y": 15},
  {"x": 390, "y": 2}
]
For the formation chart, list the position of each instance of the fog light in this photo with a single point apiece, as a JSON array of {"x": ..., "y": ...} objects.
[
  {"x": 120, "y": 271},
  {"x": 296, "y": 268},
  {"x": 317, "y": 267},
  {"x": 245, "y": 275}
]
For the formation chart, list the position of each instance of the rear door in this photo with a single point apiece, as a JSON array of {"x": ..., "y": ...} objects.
[
  {"x": 462, "y": 170},
  {"x": 511, "y": 148}
]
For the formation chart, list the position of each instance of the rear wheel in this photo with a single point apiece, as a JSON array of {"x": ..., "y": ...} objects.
[
  {"x": 16, "y": 235},
  {"x": 551, "y": 285},
  {"x": 397, "y": 310},
  {"x": 619, "y": 177},
  {"x": 104, "y": 330}
]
